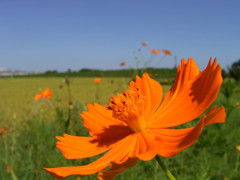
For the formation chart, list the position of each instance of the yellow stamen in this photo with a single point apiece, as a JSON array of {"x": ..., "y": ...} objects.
[{"x": 128, "y": 107}]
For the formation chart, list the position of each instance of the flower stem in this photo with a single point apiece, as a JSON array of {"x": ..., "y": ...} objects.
[{"x": 165, "y": 169}]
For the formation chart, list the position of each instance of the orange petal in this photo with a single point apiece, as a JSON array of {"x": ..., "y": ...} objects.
[
  {"x": 47, "y": 93},
  {"x": 215, "y": 115},
  {"x": 116, "y": 154},
  {"x": 147, "y": 146},
  {"x": 186, "y": 72},
  {"x": 166, "y": 52},
  {"x": 191, "y": 99},
  {"x": 97, "y": 118},
  {"x": 152, "y": 91},
  {"x": 76, "y": 147},
  {"x": 116, "y": 168},
  {"x": 173, "y": 141},
  {"x": 127, "y": 161}
]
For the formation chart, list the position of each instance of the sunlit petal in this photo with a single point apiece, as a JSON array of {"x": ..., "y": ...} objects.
[
  {"x": 152, "y": 91},
  {"x": 193, "y": 97}
]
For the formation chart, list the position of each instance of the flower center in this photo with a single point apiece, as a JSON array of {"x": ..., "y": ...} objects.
[{"x": 129, "y": 107}]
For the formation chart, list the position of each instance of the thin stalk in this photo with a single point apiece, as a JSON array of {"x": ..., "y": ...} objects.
[
  {"x": 97, "y": 90},
  {"x": 161, "y": 59},
  {"x": 237, "y": 162},
  {"x": 165, "y": 169},
  {"x": 69, "y": 105}
]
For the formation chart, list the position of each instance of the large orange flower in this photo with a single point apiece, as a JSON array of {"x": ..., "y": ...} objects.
[{"x": 136, "y": 125}]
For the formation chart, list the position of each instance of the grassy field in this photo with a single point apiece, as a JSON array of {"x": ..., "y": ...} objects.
[{"x": 29, "y": 143}]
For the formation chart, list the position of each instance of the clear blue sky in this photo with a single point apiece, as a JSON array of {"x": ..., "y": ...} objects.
[{"x": 61, "y": 34}]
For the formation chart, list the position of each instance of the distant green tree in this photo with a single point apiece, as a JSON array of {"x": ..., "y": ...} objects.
[
  {"x": 234, "y": 70},
  {"x": 51, "y": 72},
  {"x": 224, "y": 74}
]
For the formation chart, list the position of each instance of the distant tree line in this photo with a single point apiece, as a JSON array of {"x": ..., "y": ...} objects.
[
  {"x": 233, "y": 71},
  {"x": 155, "y": 73}
]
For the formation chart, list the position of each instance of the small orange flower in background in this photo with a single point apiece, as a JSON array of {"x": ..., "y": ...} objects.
[
  {"x": 144, "y": 43},
  {"x": 97, "y": 80},
  {"x": 238, "y": 148},
  {"x": 123, "y": 64},
  {"x": 166, "y": 81},
  {"x": 3, "y": 131},
  {"x": 156, "y": 52},
  {"x": 166, "y": 52},
  {"x": 37, "y": 96},
  {"x": 47, "y": 93},
  {"x": 137, "y": 124},
  {"x": 9, "y": 169}
]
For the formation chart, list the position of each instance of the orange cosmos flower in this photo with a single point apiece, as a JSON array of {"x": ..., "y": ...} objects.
[
  {"x": 166, "y": 52},
  {"x": 156, "y": 52},
  {"x": 136, "y": 125},
  {"x": 97, "y": 80},
  {"x": 144, "y": 43},
  {"x": 37, "y": 96},
  {"x": 123, "y": 64},
  {"x": 47, "y": 93},
  {"x": 3, "y": 131}
]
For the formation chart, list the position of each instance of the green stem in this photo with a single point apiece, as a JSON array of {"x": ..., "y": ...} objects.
[
  {"x": 97, "y": 89},
  {"x": 165, "y": 169},
  {"x": 69, "y": 106},
  {"x": 237, "y": 161}
]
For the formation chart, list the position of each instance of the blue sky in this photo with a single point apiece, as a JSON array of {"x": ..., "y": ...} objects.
[{"x": 59, "y": 34}]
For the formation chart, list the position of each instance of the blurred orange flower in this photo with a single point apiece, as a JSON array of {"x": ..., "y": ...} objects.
[
  {"x": 238, "y": 148},
  {"x": 3, "y": 131},
  {"x": 136, "y": 125},
  {"x": 97, "y": 80},
  {"x": 166, "y": 52},
  {"x": 154, "y": 51},
  {"x": 144, "y": 43},
  {"x": 123, "y": 64},
  {"x": 47, "y": 93},
  {"x": 37, "y": 96}
]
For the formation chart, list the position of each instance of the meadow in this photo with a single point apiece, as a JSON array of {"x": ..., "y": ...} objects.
[{"x": 29, "y": 143}]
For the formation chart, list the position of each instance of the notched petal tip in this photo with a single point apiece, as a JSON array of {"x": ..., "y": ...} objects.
[
  {"x": 183, "y": 61},
  {"x": 215, "y": 115}
]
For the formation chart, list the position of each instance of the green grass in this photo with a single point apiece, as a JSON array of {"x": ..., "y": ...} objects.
[{"x": 29, "y": 144}]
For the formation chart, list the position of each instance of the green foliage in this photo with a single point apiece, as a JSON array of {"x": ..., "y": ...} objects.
[
  {"x": 228, "y": 90},
  {"x": 234, "y": 70},
  {"x": 224, "y": 74}
]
